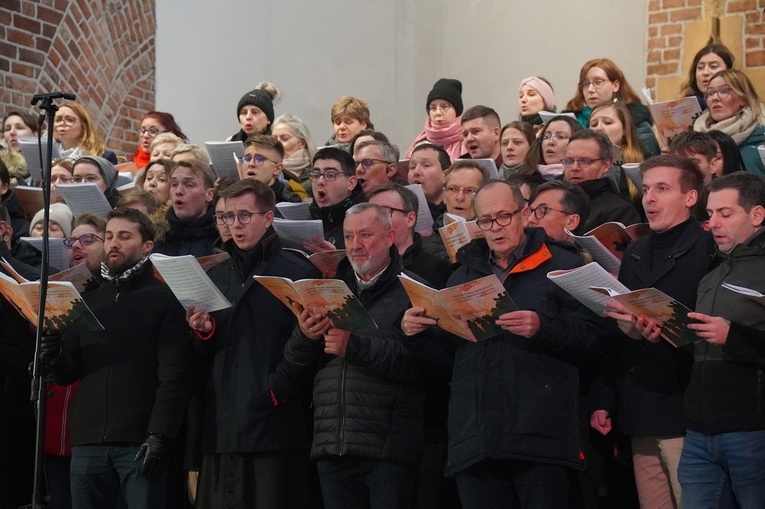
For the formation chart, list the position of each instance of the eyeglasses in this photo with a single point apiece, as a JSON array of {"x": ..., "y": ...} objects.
[
  {"x": 722, "y": 92},
  {"x": 439, "y": 107},
  {"x": 243, "y": 217},
  {"x": 555, "y": 137},
  {"x": 85, "y": 240},
  {"x": 503, "y": 219},
  {"x": 329, "y": 175},
  {"x": 455, "y": 190},
  {"x": 66, "y": 120},
  {"x": 61, "y": 179},
  {"x": 597, "y": 83},
  {"x": 90, "y": 179},
  {"x": 153, "y": 131},
  {"x": 257, "y": 159},
  {"x": 584, "y": 162},
  {"x": 368, "y": 162},
  {"x": 541, "y": 211},
  {"x": 391, "y": 210}
]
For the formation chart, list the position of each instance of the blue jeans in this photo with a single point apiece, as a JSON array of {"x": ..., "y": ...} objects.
[
  {"x": 366, "y": 484},
  {"x": 99, "y": 473},
  {"x": 710, "y": 462}
]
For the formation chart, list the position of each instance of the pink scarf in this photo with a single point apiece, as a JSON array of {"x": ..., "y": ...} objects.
[{"x": 448, "y": 136}]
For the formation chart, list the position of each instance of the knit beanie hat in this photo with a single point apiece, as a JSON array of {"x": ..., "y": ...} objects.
[
  {"x": 108, "y": 171},
  {"x": 260, "y": 99},
  {"x": 449, "y": 90},
  {"x": 59, "y": 214},
  {"x": 544, "y": 90}
]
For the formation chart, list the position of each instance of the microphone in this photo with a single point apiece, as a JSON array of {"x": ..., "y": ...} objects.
[{"x": 50, "y": 96}]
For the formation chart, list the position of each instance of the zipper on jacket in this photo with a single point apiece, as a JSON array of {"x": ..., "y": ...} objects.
[{"x": 342, "y": 410}]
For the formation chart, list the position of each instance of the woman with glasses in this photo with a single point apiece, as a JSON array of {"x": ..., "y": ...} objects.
[
  {"x": 15, "y": 125},
  {"x": 153, "y": 124},
  {"x": 709, "y": 60},
  {"x": 75, "y": 132},
  {"x": 444, "y": 123},
  {"x": 546, "y": 153},
  {"x": 99, "y": 171},
  {"x": 600, "y": 80},
  {"x": 735, "y": 109}
]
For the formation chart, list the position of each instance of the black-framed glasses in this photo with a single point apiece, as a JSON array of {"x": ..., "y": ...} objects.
[
  {"x": 85, "y": 240},
  {"x": 367, "y": 162},
  {"x": 503, "y": 219},
  {"x": 243, "y": 217},
  {"x": 88, "y": 179},
  {"x": 391, "y": 210},
  {"x": 583, "y": 162},
  {"x": 219, "y": 219},
  {"x": 256, "y": 159},
  {"x": 541, "y": 211},
  {"x": 329, "y": 175},
  {"x": 153, "y": 131},
  {"x": 597, "y": 83}
]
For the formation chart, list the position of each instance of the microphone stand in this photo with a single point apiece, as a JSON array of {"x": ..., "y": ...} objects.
[{"x": 49, "y": 109}]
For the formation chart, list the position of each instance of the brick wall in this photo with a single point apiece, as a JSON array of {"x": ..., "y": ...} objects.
[
  {"x": 677, "y": 29},
  {"x": 100, "y": 50}
]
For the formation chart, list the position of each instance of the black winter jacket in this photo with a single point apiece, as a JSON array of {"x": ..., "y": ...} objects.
[
  {"x": 606, "y": 205},
  {"x": 194, "y": 237},
  {"x": 515, "y": 397},
  {"x": 332, "y": 217},
  {"x": 252, "y": 404},
  {"x": 368, "y": 404},
  {"x": 135, "y": 376},
  {"x": 650, "y": 379}
]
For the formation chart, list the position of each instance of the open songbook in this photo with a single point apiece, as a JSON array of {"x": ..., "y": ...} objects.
[
  {"x": 65, "y": 311},
  {"x": 189, "y": 282},
  {"x": 607, "y": 243},
  {"x": 330, "y": 297},
  {"x": 593, "y": 286},
  {"x": 469, "y": 310},
  {"x": 224, "y": 156},
  {"x": 456, "y": 232},
  {"x": 294, "y": 233}
]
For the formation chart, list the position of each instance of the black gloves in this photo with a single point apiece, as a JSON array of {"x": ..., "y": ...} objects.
[
  {"x": 51, "y": 346},
  {"x": 155, "y": 451}
]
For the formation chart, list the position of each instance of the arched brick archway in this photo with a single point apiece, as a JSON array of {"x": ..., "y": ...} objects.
[{"x": 101, "y": 50}]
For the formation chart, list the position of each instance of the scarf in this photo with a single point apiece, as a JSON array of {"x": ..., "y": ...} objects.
[
  {"x": 445, "y": 135},
  {"x": 297, "y": 162},
  {"x": 119, "y": 279},
  {"x": 550, "y": 171},
  {"x": 739, "y": 127}
]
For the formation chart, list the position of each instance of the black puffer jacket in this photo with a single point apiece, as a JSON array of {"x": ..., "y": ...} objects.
[
  {"x": 515, "y": 397},
  {"x": 368, "y": 404},
  {"x": 252, "y": 403},
  {"x": 606, "y": 205}
]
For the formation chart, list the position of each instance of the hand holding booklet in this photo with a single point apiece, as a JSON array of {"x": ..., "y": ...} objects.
[
  {"x": 593, "y": 286},
  {"x": 330, "y": 297},
  {"x": 469, "y": 310},
  {"x": 189, "y": 282}
]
